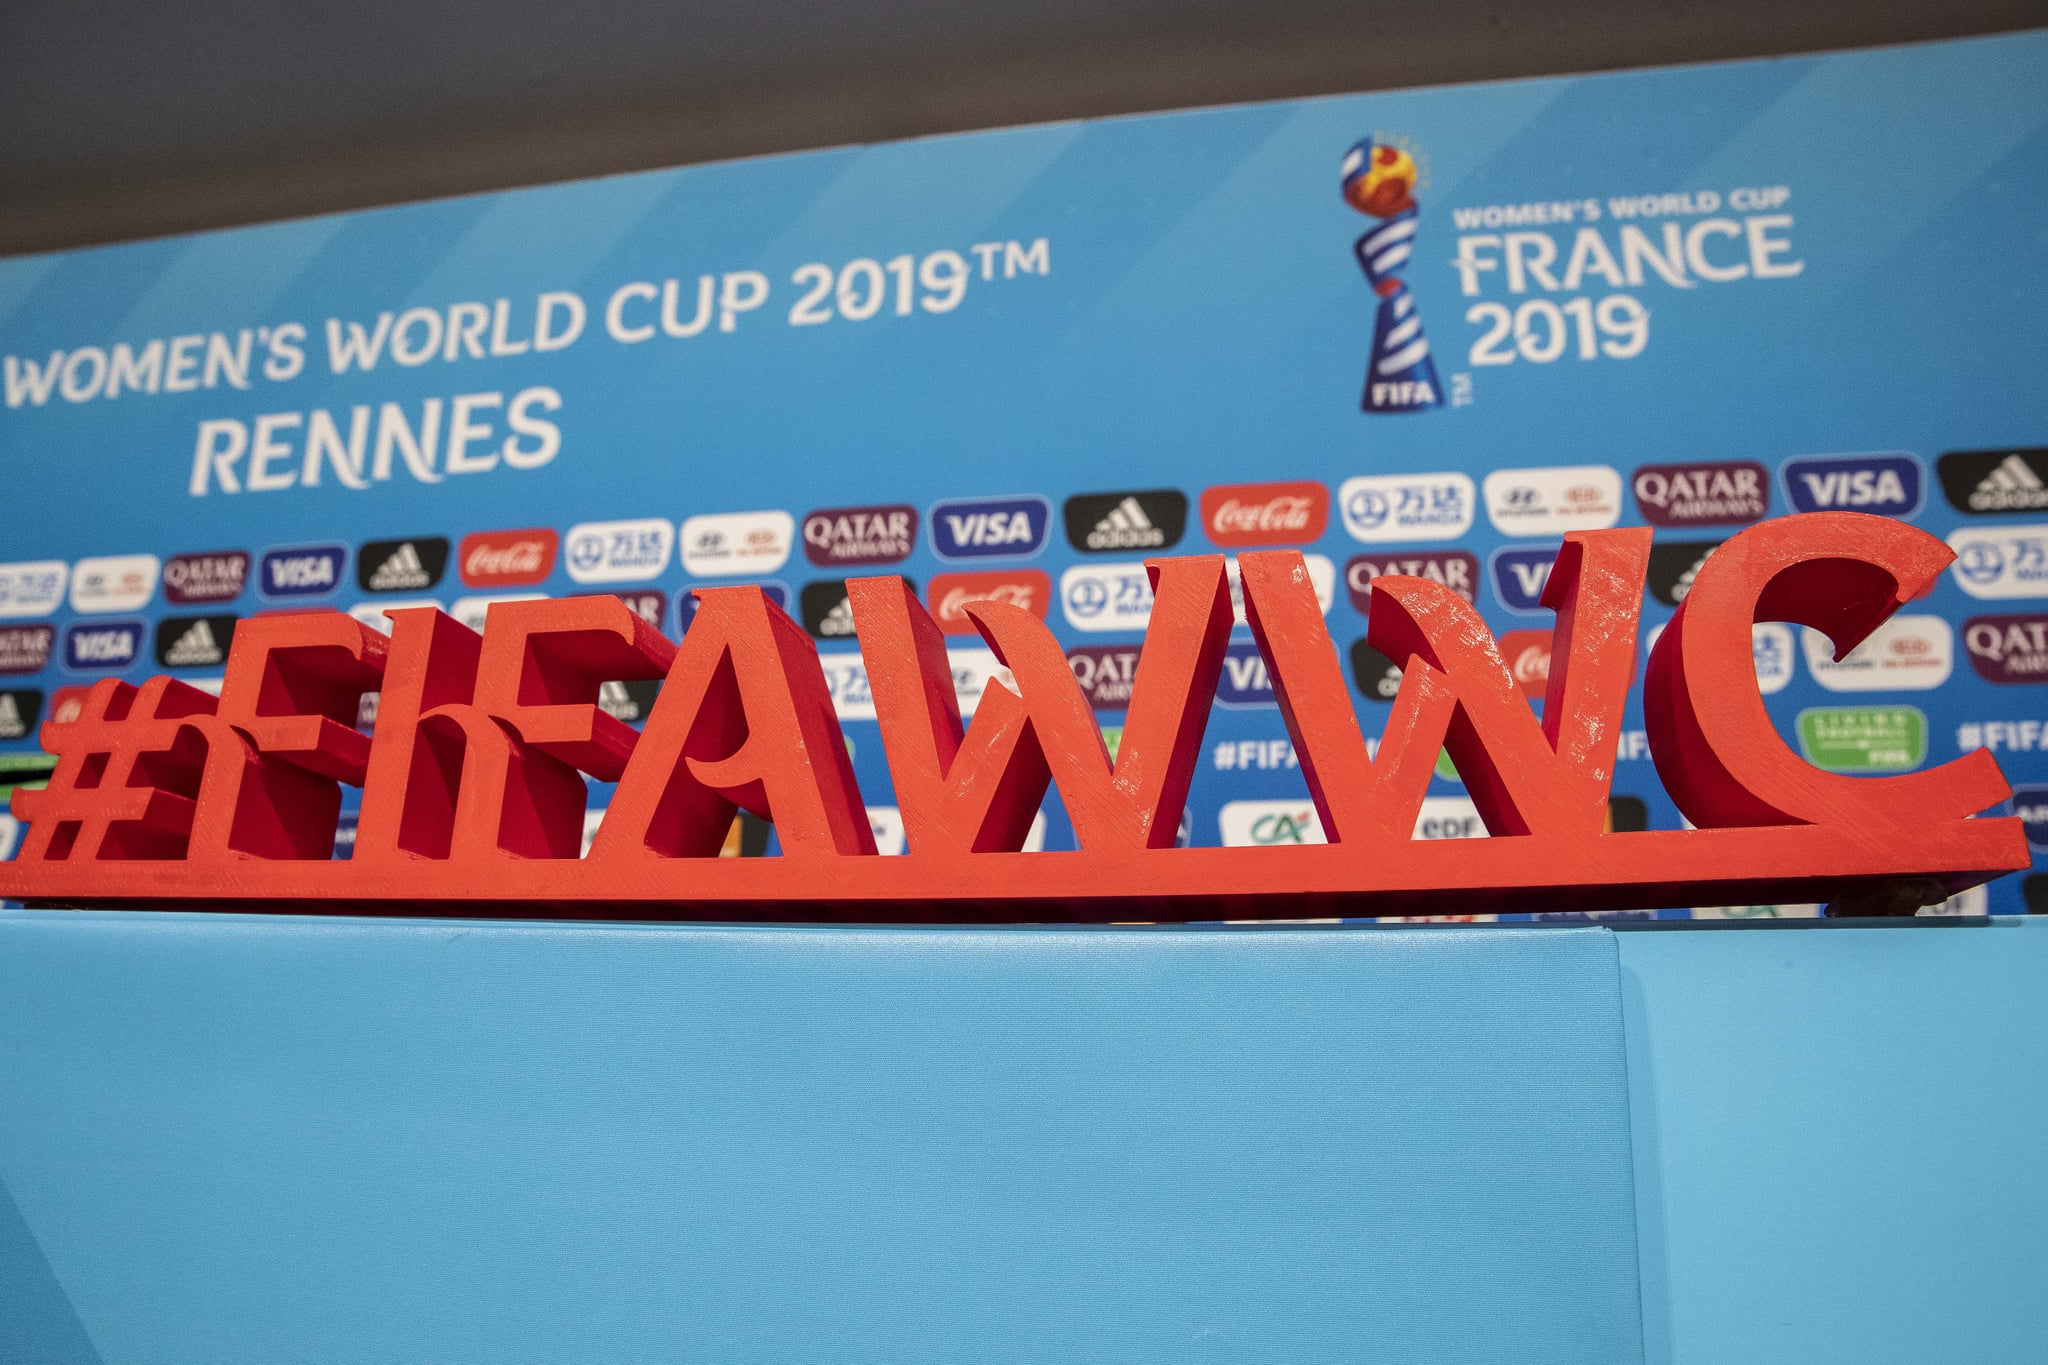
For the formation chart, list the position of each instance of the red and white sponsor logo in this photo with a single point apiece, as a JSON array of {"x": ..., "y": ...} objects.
[
  {"x": 508, "y": 559},
  {"x": 1527, "y": 654},
  {"x": 950, "y": 593},
  {"x": 1236, "y": 514},
  {"x": 67, "y": 703}
]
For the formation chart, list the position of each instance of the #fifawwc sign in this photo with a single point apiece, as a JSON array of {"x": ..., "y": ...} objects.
[{"x": 474, "y": 781}]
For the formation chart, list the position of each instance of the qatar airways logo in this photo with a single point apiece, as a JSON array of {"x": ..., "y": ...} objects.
[
  {"x": 1245, "y": 514},
  {"x": 2008, "y": 649},
  {"x": 508, "y": 559},
  {"x": 860, "y": 535},
  {"x": 198, "y": 578}
]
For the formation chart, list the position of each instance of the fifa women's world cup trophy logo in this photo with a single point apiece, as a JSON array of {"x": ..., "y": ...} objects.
[{"x": 1379, "y": 181}]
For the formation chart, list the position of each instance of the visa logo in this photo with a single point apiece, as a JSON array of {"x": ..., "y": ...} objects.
[
  {"x": 1245, "y": 681},
  {"x": 305, "y": 572},
  {"x": 977, "y": 530},
  {"x": 1519, "y": 576},
  {"x": 98, "y": 646},
  {"x": 1885, "y": 484}
]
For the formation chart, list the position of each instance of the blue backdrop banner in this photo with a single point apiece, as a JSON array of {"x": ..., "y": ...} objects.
[{"x": 1421, "y": 332}]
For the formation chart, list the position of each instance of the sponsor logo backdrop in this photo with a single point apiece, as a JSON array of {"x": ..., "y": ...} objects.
[{"x": 1011, "y": 365}]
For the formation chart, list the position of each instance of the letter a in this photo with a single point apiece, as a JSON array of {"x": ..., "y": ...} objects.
[{"x": 743, "y": 722}]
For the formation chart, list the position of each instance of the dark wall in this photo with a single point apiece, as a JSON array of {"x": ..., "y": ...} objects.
[{"x": 139, "y": 117}]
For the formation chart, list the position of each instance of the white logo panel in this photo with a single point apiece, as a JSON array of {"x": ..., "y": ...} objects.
[
  {"x": 2001, "y": 562},
  {"x": 846, "y": 678},
  {"x": 1908, "y": 653},
  {"x": 1449, "y": 817},
  {"x": 1387, "y": 507},
  {"x": 974, "y": 672},
  {"x": 1322, "y": 576},
  {"x": 32, "y": 589},
  {"x": 618, "y": 551},
  {"x": 1770, "y": 647},
  {"x": 1549, "y": 502},
  {"x": 1254, "y": 824},
  {"x": 113, "y": 583},
  {"x": 471, "y": 611},
  {"x": 730, "y": 543},
  {"x": 1105, "y": 597}
]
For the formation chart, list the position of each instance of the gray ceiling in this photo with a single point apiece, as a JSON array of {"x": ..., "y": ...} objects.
[{"x": 138, "y": 117}]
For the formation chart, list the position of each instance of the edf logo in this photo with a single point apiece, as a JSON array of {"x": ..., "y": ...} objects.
[{"x": 990, "y": 527}]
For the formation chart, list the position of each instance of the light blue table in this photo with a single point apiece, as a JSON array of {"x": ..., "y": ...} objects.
[{"x": 230, "y": 1139}]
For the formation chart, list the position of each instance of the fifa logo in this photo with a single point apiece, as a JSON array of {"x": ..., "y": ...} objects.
[{"x": 1379, "y": 181}]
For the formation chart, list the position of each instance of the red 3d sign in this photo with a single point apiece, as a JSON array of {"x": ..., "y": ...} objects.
[{"x": 474, "y": 780}]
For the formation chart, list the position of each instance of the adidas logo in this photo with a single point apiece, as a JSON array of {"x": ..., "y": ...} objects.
[
  {"x": 2011, "y": 486},
  {"x": 195, "y": 648},
  {"x": 1126, "y": 527},
  {"x": 615, "y": 701},
  {"x": 401, "y": 571},
  {"x": 839, "y": 620},
  {"x": 11, "y": 726}
]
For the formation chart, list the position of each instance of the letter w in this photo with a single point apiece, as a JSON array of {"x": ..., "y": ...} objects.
[
  {"x": 1456, "y": 692},
  {"x": 27, "y": 383},
  {"x": 355, "y": 347},
  {"x": 977, "y": 791}
]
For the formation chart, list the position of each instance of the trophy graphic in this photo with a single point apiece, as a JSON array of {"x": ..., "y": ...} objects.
[{"x": 1379, "y": 181}]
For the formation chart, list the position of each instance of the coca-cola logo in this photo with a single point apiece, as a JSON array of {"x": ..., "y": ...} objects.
[
  {"x": 1527, "y": 655},
  {"x": 68, "y": 703},
  {"x": 1244, "y": 514},
  {"x": 950, "y": 594},
  {"x": 508, "y": 559},
  {"x": 1106, "y": 673},
  {"x": 2008, "y": 649}
]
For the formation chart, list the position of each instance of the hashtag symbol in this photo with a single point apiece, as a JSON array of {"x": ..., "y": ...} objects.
[
  {"x": 127, "y": 775},
  {"x": 1226, "y": 756},
  {"x": 1969, "y": 736}
]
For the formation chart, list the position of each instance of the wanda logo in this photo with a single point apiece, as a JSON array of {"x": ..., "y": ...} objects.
[
  {"x": 1265, "y": 513},
  {"x": 950, "y": 594},
  {"x": 508, "y": 559}
]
